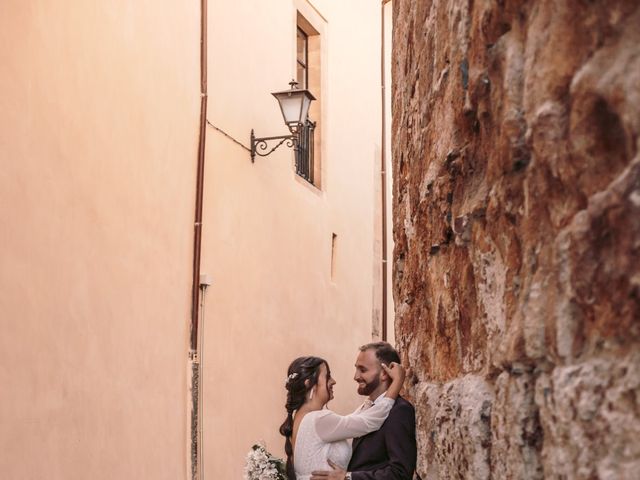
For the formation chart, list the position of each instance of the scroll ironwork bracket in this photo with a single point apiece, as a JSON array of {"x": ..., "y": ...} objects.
[{"x": 260, "y": 145}]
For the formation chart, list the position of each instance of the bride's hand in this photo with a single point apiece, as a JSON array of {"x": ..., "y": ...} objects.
[{"x": 395, "y": 371}]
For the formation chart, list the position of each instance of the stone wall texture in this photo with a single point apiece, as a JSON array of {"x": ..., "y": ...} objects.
[{"x": 517, "y": 235}]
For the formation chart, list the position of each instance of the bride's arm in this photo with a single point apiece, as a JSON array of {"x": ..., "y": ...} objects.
[{"x": 332, "y": 427}]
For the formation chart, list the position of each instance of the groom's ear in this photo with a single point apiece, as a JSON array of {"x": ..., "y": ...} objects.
[{"x": 384, "y": 376}]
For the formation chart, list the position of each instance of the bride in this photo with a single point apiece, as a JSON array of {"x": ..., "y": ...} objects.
[{"x": 316, "y": 436}]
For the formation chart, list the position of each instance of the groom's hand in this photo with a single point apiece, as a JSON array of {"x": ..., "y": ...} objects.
[{"x": 336, "y": 474}]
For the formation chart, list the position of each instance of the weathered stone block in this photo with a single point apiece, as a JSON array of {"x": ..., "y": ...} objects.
[
  {"x": 516, "y": 433},
  {"x": 454, "y": 429},
  {"x": 516, "y": 163},
  {"x": 590, "y": 416}
]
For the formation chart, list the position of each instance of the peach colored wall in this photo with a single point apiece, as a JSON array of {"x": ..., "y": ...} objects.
[
  {"x": 98, "y": 140},
  {"x": 98, "y": 143},
  {"x": 267, "y": 233}
]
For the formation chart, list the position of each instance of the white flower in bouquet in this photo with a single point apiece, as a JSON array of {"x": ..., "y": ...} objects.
[{"x": 262, "y": 465}]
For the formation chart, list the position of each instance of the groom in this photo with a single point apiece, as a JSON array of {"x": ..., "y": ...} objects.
[{"x": 389, "y": 453}]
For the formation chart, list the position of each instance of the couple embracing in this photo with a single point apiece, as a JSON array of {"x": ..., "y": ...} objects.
[{"x": 376, "y": 442}]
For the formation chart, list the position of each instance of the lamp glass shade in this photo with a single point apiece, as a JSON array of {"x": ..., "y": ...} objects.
[
  {"x": 306, "y": 103},
  {"x": 294, "y": 104}
]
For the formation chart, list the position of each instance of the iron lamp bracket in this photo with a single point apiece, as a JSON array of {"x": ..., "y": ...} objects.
[{"x": 260, "y": 145}]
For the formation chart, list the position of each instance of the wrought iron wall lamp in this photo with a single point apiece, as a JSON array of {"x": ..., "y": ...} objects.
[{"x": 294, "y": 104}]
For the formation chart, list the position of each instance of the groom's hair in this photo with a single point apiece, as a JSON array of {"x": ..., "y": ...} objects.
[{"x": 385, "y": 353}]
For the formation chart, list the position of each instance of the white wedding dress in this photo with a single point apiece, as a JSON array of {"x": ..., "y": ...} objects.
[{"x": 324, "y": 435}]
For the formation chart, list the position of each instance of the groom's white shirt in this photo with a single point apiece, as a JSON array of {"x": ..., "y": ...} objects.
[{"x": 369, "y": 402}]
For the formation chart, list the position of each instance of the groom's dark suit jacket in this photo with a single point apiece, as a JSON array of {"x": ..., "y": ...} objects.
[{"x": 389, "y": 453}]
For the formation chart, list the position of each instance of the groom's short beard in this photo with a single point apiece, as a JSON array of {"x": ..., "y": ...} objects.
[{"x": 369, "y": 388}]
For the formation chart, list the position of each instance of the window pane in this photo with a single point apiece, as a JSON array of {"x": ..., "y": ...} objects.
[
  {"x": 301, "y": 77},
  {"x": 301, "y": 53}
]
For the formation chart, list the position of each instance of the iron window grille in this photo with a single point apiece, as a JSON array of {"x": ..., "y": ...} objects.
[{"x": 304, "y": 151}]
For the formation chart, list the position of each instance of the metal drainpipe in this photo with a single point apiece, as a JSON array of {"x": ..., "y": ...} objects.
[
  {"x": 196, "y": 371},
  {"x": 383, "y": 176}
]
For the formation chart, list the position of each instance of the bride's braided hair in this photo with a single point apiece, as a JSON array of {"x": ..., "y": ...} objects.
[{"x": 300, "y": 370}]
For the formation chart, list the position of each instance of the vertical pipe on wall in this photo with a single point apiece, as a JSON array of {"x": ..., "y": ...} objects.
[
  {"x": 383, "y": 174},
  {"x": 197, "y": 237},
  {"x": 194, "y": 354}
]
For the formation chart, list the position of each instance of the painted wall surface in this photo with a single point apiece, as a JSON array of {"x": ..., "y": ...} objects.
[
  {"x": 98, "y": 143},
  {"x": 268, "y": 233},
  {"x": 98, "y": 140}
]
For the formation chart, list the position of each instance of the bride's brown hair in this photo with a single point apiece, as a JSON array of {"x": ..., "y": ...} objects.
[{"x": 300, "y": 370}]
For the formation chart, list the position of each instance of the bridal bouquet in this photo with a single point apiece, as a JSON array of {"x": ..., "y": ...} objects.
[{"x": 261, "y": 465}]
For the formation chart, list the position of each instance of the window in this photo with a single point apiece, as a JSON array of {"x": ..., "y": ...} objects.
[{"x": 308, "y": 76}]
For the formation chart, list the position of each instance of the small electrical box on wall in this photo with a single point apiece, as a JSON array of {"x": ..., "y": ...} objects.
[{"x": 205, "y": 280}]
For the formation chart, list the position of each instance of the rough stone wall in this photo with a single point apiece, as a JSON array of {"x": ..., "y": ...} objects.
[{"x": 517, "y": 233}]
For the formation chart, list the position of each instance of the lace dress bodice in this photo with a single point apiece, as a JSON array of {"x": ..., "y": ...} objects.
[
  {"x": 311, "y": 452},
  {"x": 324, "y": 435}
]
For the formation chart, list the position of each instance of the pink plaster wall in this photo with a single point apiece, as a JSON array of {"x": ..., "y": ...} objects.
[
  {"x": 98, "y": 138},
  {"x": 267, "y": 233}
]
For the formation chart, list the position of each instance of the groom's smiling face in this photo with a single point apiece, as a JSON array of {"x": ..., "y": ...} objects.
[{"x": 368, "y": 370}]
